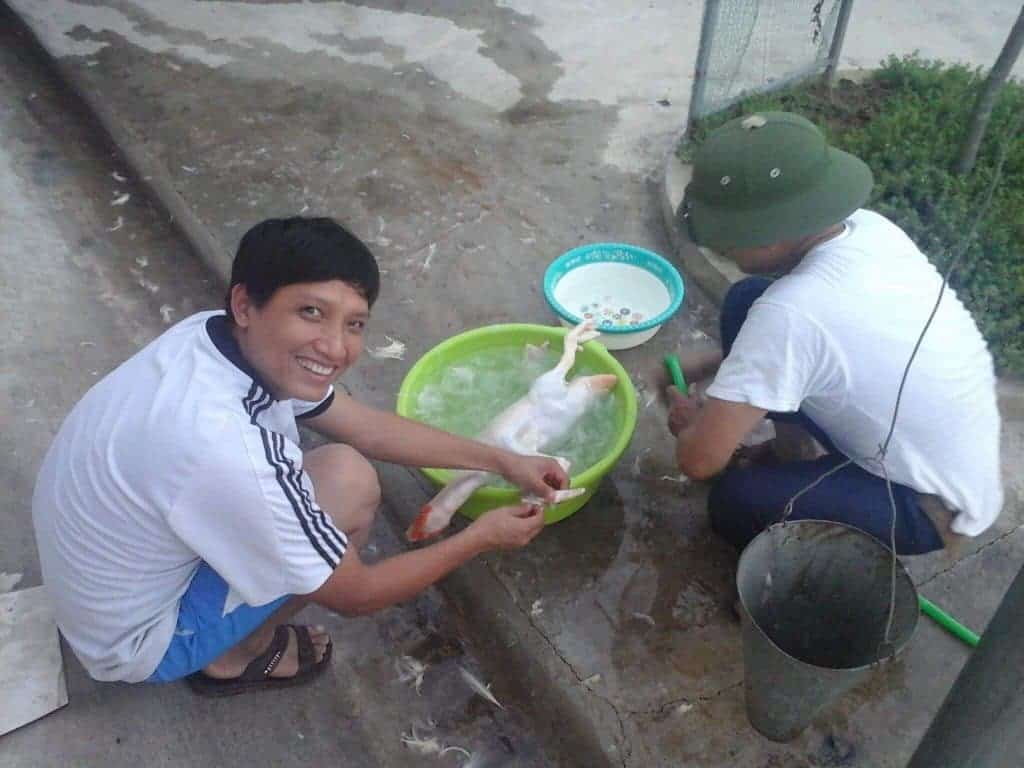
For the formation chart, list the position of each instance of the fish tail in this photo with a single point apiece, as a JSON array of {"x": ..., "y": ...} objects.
[{"x": 418, "y": 531}]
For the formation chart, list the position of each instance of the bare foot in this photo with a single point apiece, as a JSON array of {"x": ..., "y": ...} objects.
[{"x": 234, "y": 661}]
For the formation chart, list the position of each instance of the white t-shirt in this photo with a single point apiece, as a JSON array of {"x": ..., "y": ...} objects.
[
  {"x": 832, "y": 339},
  {"x": 178, "y": 455}
]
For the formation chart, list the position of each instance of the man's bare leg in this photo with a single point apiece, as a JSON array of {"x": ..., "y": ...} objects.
[{"x": 348, "y": 490}]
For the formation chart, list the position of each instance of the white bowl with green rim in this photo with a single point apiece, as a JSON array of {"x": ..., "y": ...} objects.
[{"x": 628, "y": 291}]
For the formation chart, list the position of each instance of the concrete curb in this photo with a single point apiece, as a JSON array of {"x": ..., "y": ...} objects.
[
  {"x": 577, "y": 726},
  {"x": 715, "y": 275},
  {"x": 151, "y": 174},
  {"x": 711, "y": 272}
]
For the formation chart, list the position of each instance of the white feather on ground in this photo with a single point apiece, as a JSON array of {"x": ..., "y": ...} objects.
[
  {"x": 479, "y": 687},
  {"x": 394, "y": 350},
  {"x": 681, "y": 479},
  {"x": 411, "y": 670},
  {"x": 636, "y": 462},
  {"x": 431, "y": 745},
  {"x": 417, "y": 743}
]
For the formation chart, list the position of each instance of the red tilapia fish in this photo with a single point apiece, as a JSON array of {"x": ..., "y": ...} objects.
[{"x": 541, "y": 418}]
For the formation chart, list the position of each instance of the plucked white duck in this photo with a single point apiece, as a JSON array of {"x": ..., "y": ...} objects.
[{"x": 541, "y": 418}]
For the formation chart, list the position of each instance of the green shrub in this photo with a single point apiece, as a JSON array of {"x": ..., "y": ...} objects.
[{"x": 907, "y": 122}]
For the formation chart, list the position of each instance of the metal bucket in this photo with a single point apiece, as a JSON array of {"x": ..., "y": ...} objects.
[{"x": 815, "y": 601}]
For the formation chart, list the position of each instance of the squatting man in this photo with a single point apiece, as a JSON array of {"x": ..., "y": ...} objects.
[
  {"x": 179, "y": 523},
  {"x": 817, "y": 341}
]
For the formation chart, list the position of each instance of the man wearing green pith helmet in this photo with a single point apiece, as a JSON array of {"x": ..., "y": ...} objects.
[{"x": 818, "y": 341}]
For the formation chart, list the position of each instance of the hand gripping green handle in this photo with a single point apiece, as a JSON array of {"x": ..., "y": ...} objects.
[{"x": 676, "y": 373}]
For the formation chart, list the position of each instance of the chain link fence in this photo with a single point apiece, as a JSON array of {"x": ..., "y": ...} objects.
[{"x": 754, "y": 46}]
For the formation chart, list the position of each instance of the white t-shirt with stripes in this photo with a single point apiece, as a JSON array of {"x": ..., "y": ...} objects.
[{"x": 178, "y": 455}]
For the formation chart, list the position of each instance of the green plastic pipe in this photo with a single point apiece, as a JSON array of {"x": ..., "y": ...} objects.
[
  {"x": 676, "y": 373},
  {"x": 947, "y": 622}
]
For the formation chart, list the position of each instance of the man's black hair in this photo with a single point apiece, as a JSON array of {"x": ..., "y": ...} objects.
[{"x": 279, "y": 252}]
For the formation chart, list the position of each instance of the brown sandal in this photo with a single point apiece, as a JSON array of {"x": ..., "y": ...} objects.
[{"x": 256, "y": 676}]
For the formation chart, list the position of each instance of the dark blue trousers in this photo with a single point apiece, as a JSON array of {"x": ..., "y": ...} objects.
[{"x": 744, "y": 501}]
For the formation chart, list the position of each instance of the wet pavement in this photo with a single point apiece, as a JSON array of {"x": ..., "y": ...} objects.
[{"x": 468, "y": 145}]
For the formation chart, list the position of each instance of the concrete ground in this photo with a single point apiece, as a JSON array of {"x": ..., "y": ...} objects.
[{"x": 469, "y": 144}]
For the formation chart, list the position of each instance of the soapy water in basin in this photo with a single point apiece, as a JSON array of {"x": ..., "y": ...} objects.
[{"x": 464, "y": 397}]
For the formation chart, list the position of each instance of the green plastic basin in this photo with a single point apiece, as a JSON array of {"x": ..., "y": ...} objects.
[{"x": 456, "y": 349}]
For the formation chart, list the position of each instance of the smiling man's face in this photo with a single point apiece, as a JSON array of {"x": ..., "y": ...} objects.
[{"x": 303, "y": 338}]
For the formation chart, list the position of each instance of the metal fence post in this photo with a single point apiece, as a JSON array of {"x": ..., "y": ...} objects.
[
  {"x": 845, "y": 7},
  {"x": 980, "y": 722},
  {"x": 707, "y": 31}
]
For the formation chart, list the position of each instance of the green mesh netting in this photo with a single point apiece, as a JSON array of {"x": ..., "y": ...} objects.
[{"x": 759, "y": 45}]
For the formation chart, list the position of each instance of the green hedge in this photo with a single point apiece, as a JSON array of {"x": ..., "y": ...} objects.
[{"x": 907, "y": 122}]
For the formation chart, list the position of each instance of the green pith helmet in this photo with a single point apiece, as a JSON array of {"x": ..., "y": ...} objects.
[{"x": 767, "y": 178}]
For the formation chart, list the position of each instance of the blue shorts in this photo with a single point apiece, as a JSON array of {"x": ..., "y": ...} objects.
[{"x": 204, "y": 632}]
